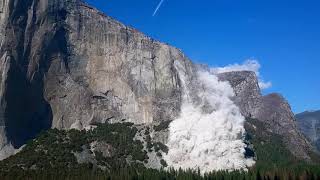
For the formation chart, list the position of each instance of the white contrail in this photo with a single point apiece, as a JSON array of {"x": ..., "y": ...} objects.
[{"x": 159, "y": 5}]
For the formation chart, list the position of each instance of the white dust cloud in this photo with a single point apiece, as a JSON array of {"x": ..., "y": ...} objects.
[{"x": 208, "y": 141}]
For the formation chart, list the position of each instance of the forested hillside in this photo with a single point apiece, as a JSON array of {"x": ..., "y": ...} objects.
[{"x": 54, "y": 154}]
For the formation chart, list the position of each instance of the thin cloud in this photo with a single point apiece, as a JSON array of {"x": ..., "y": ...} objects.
[
  {"x": 158, "y": 7},
  {"x": 249, "y": 65}
]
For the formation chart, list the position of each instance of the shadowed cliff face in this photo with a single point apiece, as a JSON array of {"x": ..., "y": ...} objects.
[
  {"x": 277, "y": 114},
  {"x": 34, "y": 33}
]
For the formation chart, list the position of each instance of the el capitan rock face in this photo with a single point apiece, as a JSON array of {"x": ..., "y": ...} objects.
[
  {"x": 113, "y": 72},
  {"x": 66, "y": 65}
]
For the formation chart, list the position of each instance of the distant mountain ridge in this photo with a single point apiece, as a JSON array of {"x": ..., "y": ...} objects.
[{"x": 309, "y": 124}]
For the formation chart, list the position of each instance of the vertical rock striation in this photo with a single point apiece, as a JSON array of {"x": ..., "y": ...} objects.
[{"x": 113, "y": 71}]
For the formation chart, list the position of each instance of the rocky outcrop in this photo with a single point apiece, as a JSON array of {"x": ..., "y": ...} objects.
[
  {"x": 246, "y": 89},
  {"x": 273, "y": 110},
  {"x": 309, "y": 124}
]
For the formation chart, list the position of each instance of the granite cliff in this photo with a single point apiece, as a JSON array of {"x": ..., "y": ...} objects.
[{"x": 66, "y": 65}]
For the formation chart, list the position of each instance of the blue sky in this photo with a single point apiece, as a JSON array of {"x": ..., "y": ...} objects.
[{"x": 283, "y": 35}]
